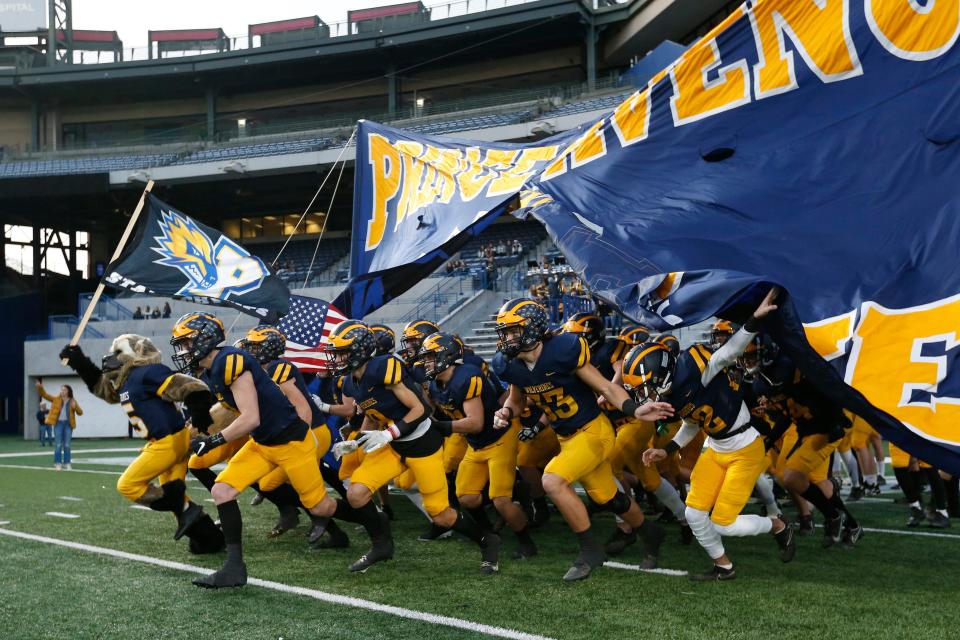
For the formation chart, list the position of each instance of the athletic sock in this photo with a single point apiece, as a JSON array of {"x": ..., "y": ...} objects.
[
  {"x": 850, "y": 462},
  {"x": 815, "y": 496},
  {"x": 907, "y": 484},
  {"x": 366, "y": 516},
  {"x": 206, "y": 477},
  {"x": 588, "y": 544},
  {"x": 232, "y": 524},
  {"x": 871, "y": 478},
  {"x": 480, "y": 516},
  {"x": 284, "y": 495},
  {"x": 524, "y": 535},
  {"x": 452, "y": 490},
  {"x": 468, "y": 528},
  {"x": 670, "y": 498},
  {"x": 937, "y": 490},
  {"x": 540, "y": 504}
]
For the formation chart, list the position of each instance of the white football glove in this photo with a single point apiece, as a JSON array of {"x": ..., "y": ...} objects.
[
  {"x": 373, "y": 440},
  {"x": 323, "y": 406},
  {"x": 344, "y": 447}
]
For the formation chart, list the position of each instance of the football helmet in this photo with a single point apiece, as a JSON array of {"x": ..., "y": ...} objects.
[
  {"x": 352, "y": 345},
  {"x": 386, "y": 338},
  {"x": 589, "y": 324},
  {"x": 439, "y": 352},
  {"x": 412, "y": 338},
  {"x": 634, "y": 335},
  {"x": 671, "y": 343},
  {"x": 720, "y": 333},
  {"x": 265, "y": 343},
  {"x": 195, "y": 335},
  {"x": 760, "y": 353},
  {"x": 521, "y": 324},
  {"x": 648, "y": 371}
]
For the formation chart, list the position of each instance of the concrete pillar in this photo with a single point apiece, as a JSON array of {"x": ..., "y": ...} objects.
[
  {"x": 591, "y": 46},
  {"x": 211, "y": 113},
  {"x": 35, "y": 125},
  {"x": 393, "y": 89}
]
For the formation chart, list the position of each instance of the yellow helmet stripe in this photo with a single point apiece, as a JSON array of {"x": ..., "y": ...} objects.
[{"x": 584, "y": 353}]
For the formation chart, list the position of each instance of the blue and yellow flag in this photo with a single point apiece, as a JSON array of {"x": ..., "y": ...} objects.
[{"x": 173, "y": 255}]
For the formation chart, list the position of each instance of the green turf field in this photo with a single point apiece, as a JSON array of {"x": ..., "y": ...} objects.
[{"x": 890, "y": 586}]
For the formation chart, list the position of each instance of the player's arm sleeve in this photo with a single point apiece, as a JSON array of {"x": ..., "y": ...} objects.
[
  {"x": 282, "y": 372},
  {"x": 685, "y": 434},
  {"x": 727, "y": 354}
]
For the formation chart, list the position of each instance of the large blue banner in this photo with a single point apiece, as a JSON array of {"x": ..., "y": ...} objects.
[
  {"x": 815, "y": 145},
  {"x": 418, "y": 199}
]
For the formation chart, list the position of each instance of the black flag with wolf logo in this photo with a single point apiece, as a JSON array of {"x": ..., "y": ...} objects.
[{"x": 175, "y": 256}]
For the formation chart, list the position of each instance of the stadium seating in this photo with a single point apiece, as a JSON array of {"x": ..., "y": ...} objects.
[
  {"x": 256, "y": 150},
  {"x": 473, "y": 122},
  {"x": 295, "y": 260},
  {"x": 72, "y": 166},
  {"x": 604, "y": 102}
]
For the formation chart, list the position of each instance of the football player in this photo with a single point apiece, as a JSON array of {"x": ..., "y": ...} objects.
[
  {"x": 468, "y": 399},
  {"x": 133, "y": 376},
  {"x": 267, "y": 344},
  {"x": 725, "y": 475},
  {"x": 721, "y": 331},
  {"x": 278, "y": 437},
  {"x": 911, "y": 472},
  {"x": 555, "y": 373},
  {"x": 397, "y": 436}
]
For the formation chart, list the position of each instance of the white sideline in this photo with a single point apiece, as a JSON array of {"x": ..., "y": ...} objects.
[
  {"x": 26, "y": 454},
  {"x": 58, "y": 514},
  {"x": 610, "y": 564},
  {"x": 322, "y": 596},
  {"x": 71, "y": 499}
]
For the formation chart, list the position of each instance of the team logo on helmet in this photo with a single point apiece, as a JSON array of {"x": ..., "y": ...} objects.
[{"x": 214, "y": 270}]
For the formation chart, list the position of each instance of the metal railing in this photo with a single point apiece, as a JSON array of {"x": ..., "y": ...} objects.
[
  {"x": 106, "y": 309},
  {"x": 63, "y": 327}
]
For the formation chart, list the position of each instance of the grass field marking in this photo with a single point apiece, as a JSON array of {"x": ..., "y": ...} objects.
[
  {"x": 71, "y": 498},
  {"x": 924, "y": 534},
  {"x": 141, "y": 507},
  {"x": 38, "y": 454},
  {"x": 323, "y": 596},
  {"x": 59, "y": 514},
  {"x": 35, "y": 468},
  {"x": 635, "y": 567},
  {"x": 4, "y": 522}
]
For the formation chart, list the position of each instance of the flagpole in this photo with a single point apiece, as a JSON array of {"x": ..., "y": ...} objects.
[{"x": 116, "y": 254}]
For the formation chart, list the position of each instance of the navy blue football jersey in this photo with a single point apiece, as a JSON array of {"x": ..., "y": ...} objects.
[
  {"x": 140, "y": 398},
  {"x": 553, "y": 384},
  {"x": 606, "y": 354},
  {"x": 280, "y": 371},
  {"x": 377, "y": 401},
  {"x": 276, "y": 412},
  {"x": 467, "y": 383},
  {"x": 469, "y": 357},
  {"x": 714, "y": 407}
]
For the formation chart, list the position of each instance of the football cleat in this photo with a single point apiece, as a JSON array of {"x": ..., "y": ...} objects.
[
  {"x": 435, "y": 532},
  {"x": 524, "y": 550},
  {"x": 289, "y": 518},
  {"x": 378, "y": 553},
  {"x": 619, "y": 541},
  {"x": 232, "y": 574},
  {"x": 256, "y": 500},
  {"x": 856, "y": 493},
  {"x": 938, "y": 521},
  {"x": 917, "y": 516},
  {"x": 852, "y": 535},
  {"x": 335, "y": 539},
  {"x": 716, "y": 574},
  {"x": 490, "y": 554},
  {"x": 787, "y": 542},
  {"x": 652, "y": 539},
  {"x": 804, "y": 525},
  {"x": 187, "y": 518},
  {"x": 583, "y": 566},
  {"x": 833, "y": 531},
  {"x": 317, "y": 529}
]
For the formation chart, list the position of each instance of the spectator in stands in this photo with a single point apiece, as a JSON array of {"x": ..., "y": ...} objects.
[
  {"x": 500, "y": 249},
  {"x": 546, "y": 266},
  {"x": 491, "y": 272},
  {"x": 138, "y": 314},
  {"x": 146, "y": 311},
  {"x": 517, "y": 247},
  {"x": 46, "y": 431},
  {"x": 553, "y": 298},
  {"x": 451, "y": 266},
  {"x": 166, "y": 310},
  {"x": 156, "y": 313},
  {"x": 63, "y": 418}
]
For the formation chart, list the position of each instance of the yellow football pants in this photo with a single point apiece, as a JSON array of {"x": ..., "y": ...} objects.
[
  {"x": 539, "y": 451},
  {"x": 165, "y": 458},
  {"x": 454, "y": 448},
  {"x": 278, "y": 476},
  {"x": 722, "y": 483},
  {"x": 585, "y": 457},
  {"x": 297, "y": 459},
  {"x": 496, "y": 462},
  {"x": 633, "y": 438},
  {"x": 385, "y": 464},
  {"x": 218, "y": 455}
]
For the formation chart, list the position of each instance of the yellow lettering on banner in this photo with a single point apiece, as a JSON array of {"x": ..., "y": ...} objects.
[
  {"x": 631, "y": 120},
  {"x": 818, "y": 29},
  {"x": 555, "y": 168},
  {"x": 412, "y": 176},
  {"x": 589, "y": 146},
  {"x": 511, "y": 180},
  {"x": 888, "y": 364},
  {"x": 385, "y": 160},
  {"x": 695, "y": 97},
  {"x": 474, "y": 176},
  {"x": 829, "y": 337},
  {"x": 912, "y": 31},
  {"x": 448, "y": 165}
]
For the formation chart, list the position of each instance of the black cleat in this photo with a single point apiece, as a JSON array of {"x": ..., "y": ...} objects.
[
  {"x": 787, "y": 542},
  {"x": 881, "y": 480},
  {"x": 651, "y": 545},
  {"x": 380, "y": 552},
  {"x": 186, "y": 519},
  {"x": 872, "y": 490},
  {"x": 917, "y": 516},
  {"x": 852, "y": 535},
  {"x": 716, "y": 574},
  {"x": 856, "y": 493},
  {"x": 230, "y": 575},
  {"x": 686, "y": 535},
  {"x": 257, "y": 499},
  {"x": 289, "y": 518},
  {"x": 435, "y": 532},
  {"x": 619, "y": 541},
  {"x": 317, "y": 529},
  {"x": 333, "y": 540},
  {"x": 833, "y": 531},
  {"x": 490, "y": 554},
  {"x": 586, "y": 562},
  {"x": 938, "y": 521}
]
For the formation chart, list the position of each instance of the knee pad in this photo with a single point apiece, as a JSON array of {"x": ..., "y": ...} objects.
[{"x": 619, "y": 503}]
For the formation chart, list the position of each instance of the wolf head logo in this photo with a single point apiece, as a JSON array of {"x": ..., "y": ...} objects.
[{"x": 215, "y": 270}]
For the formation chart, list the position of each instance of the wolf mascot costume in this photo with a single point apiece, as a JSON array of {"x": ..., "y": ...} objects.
[{"x": 131, "y": 375}]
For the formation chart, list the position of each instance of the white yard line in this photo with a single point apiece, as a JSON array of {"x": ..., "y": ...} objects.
[
  {"x": 141, "y": 507},
  {"x": 189, "y": 477},
  {"x": 58, "y": 514},
  {"x": 4, "y": 522},
  {"x": 323, "y": 596},
  {"x": 49, "y": 454},
  {"x": 635, "y": 567},
  {"x": 71, "y": 498},
  {"x": 923, "y": 534}
]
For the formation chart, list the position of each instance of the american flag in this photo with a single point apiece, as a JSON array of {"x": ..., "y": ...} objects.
[{"x": 306, "y": 326}]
